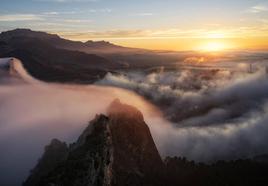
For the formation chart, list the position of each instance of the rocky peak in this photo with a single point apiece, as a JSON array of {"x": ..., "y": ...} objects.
[
  {"x": 118, "y": 110},
  {"x": 113, "y": 150},
  {"x": 136, "y": 160}
]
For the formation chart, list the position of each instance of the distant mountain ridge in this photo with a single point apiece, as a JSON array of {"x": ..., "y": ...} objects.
[
  {"x": 49, "y": 58},
  {"x": 58, "y": 42},
  {"x": 119, "y": 57},
  {"x": 7, "y": 35}
]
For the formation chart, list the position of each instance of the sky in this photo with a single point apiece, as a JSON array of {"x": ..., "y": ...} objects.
[{"x": 153, "y": 24}]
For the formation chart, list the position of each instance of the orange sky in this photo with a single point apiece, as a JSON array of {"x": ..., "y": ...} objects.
[
  {"x": 152, "y": 24},
  {"x": 182, "y": 44},
  {"x": 196, "y": 43},
  {"x": 235, "y": 37}
]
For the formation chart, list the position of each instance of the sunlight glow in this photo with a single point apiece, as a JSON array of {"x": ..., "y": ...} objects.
[{"x": 213, "y": 46}]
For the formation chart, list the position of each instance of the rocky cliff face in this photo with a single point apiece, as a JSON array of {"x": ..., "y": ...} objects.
[
  {"x": 136, "y": 160},
  {"x": 113, "y": 150}
]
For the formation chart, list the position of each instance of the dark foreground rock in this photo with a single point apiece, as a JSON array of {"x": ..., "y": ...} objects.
[{"x": 117, "y": 149}]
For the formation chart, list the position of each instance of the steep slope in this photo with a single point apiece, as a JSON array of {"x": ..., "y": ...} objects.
[
  {"x": 136, "y": 160},
  {"x": 115, "y": 150}
]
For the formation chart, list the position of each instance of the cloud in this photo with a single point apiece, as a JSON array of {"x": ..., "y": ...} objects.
[
  {"x": 109, "y": 34},
  {"x": 258, "y": 9},
  {"x": 102, "y": 10},
  {"x": 51, "y": 13},
  {"x": 93, "y": 11},
  {"x": 67, "y": 1},
  {"x": 40, "y": 113},
  {"x": 144, "y": 14},
  {"x": 33, "y": 112},
  {"x": 20, "y": 17},
  {"x": 213, "y": 114},
  {"x": 239, "y": 32},
  {"x": 77, "y": 21}
]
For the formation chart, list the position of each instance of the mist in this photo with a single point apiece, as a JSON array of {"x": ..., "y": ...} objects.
[
  {"x": 209, "y": 114},
  {"x": 202, "y": 115},
  {"x": 31, "y": 116},
  {"x": 33, "y": 112}
]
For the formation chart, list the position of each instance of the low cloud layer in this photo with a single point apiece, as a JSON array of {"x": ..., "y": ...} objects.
[
  {"x": 205, "y": 115},
  {"x": 31, "y": 115},
  {"x": 33, "y": 112},
  {"x": 213, "y": 114}
]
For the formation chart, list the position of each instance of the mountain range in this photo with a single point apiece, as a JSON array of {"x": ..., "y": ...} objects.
[{"x": 51, "y": 58}]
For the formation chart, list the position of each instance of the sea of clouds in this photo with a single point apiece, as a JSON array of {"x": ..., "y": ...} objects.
[
  {"x": 204, "y": 115},
  {"x": 212, "y": 114}
]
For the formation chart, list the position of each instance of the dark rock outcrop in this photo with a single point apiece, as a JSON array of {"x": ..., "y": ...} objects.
[
  {"x": 115, "y": 150},
  {"x": 136, "y": 160}
]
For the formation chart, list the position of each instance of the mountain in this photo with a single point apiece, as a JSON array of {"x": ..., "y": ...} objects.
[
  {"x": 46, "y": 62},
  {"x": 118, "y": 56},
  {"x": 92, "y": 47},
  {"x": 117, "y": 149},
  {"x": 18, "y": 33}
]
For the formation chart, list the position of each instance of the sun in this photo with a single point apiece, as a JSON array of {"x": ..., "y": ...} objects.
[{"x": 213, "y": 46}]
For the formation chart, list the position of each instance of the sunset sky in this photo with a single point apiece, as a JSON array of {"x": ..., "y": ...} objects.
[{"x": 153, "y": 24}]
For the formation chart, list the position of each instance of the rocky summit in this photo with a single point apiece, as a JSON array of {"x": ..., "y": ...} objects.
[{"x": 117, "y": 149}]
